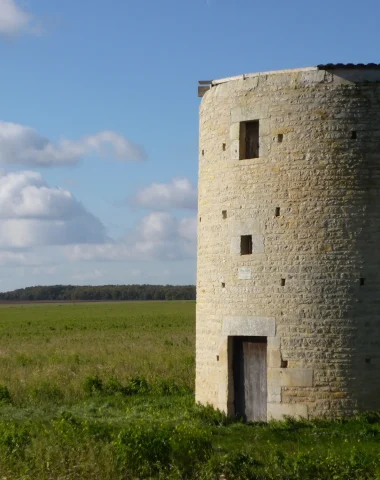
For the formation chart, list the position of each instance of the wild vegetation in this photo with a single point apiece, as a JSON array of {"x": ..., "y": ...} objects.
[
  {"x": 100, "y": 293},
  {"x": 105, "y": 391}
]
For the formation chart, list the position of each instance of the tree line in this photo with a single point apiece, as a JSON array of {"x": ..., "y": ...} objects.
[{"x": 103, "y": 292}]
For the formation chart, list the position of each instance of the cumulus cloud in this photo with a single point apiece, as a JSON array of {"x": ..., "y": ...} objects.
[
  {"x": 32, "y": 213},
  {"x": 14, "y": 20},
  {"x": 23, "y": 145},
  {"x": 179, "y": 193},
  {"x": 158, "y": 236},
  {"x": 14, "y": 258}
]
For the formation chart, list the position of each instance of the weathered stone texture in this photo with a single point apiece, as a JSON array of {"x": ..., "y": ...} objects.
[{"x": 327, "y": 237}]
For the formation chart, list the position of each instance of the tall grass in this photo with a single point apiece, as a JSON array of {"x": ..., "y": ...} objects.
[{"x": 47, "y": 351}]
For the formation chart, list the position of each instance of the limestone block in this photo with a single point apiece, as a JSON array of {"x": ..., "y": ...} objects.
[
  {"x": 235, "y": 150},
  {"x": 274, "y": 358},
  {"x": 235, "y": 131},
  {"x": 290, "y": 377},
  {"x": 277, "y": 411},
  {"x": 274, "y": 394},
  {"x": 244, "y": 273},
  {"x": 249, "y": 326}
]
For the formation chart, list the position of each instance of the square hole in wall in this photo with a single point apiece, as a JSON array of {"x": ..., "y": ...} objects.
[
  {"x": 280, "y": 137},
  {"x": 283, "y": 281},
  {"x": 284, "y": 364},
  {"x": 246, "y": 245},
  {"x": 362, "y": 282},
  {"x": 354, "y": 135},
  {"x": 224, "y": 147},
  {"x": 249, "y": 140},
  {"x": 277, "y": 212},
  {"x": 224, "y": 214}
]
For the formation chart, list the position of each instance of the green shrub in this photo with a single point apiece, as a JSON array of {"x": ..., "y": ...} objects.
[
  {"x": 45, "y": 392},
  {"x": 241, "y": 466},
  {"x": 137, "y": 385},
  {"x": 143, "y": 449},
  {"x": 93, "y": 385},
  {"x": 167, "y": 386},
  {"x": 369, "y": 417},
  {"x": 114, "y": 386},
  {"x": 5, "y": 396},
  {"x": 14, "y": 439},
  {"x": 209, "y": 415},
  {"x": 191, "y": 445}
]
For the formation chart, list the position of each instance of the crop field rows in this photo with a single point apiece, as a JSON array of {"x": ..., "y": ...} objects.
[{"x": 106, "y": 391}]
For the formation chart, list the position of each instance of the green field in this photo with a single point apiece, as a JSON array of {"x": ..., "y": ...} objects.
[{"x": 105, "y": 391}]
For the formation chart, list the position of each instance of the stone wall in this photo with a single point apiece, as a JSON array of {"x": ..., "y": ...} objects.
[{"x": 323, "y": 322}]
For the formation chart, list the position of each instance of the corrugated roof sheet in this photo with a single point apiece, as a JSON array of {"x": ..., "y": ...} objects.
[{"x": 347, "y": 66}]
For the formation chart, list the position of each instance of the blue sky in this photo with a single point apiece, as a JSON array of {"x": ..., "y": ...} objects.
[{"x": 99, "y": 122}]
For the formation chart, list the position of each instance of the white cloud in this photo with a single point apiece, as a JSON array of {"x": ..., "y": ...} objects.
[
  {"x": 23, "y": 145},
  {"x": 158, "y": 236},
  {"x": 180, "y": 193},
  {"x": 13, "y": 258},
  {"x": 93, "y": 275},
  {"x": 32, "y": 213},
  {"x": 14, "y": 20}
]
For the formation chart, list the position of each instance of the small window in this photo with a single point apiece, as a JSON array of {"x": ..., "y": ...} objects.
[
  {"x": 280, "y": 137},
  {"x": 283, "y": 281},
  {"x": 224, "y": 147},
  {"x": 249, "y": 140},
  {"x": 354, "y": 135},
  {"x": 284, "y": 364},
  {"x": 277, "y": 213},
  {"x": 246, "y": 245},
  {"x": 362, "y": 282},
  {"x": 224, "y": 214}
]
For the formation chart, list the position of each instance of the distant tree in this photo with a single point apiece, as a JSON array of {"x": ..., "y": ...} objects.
[{"x": 103, "y": 292}]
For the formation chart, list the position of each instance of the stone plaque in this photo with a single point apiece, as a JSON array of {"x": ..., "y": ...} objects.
[{"x": 245, "y": 273}]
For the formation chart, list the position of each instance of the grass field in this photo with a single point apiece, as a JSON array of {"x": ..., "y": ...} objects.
[{"x": 105, "y": 391}]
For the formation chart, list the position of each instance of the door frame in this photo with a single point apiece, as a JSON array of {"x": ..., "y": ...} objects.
[{"x": 231, "y": 359}]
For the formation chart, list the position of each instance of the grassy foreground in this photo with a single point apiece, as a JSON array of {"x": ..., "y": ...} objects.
[{"x": 105, "y": 391}]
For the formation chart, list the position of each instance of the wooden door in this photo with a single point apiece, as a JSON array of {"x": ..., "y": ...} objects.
[{"x": 250, "y": 378}]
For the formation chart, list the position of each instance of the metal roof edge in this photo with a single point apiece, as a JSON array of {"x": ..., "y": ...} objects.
[{"x": 260, "y": 74}]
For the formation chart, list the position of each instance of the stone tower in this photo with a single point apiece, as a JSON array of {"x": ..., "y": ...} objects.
[{"x": 288, "y": 280}]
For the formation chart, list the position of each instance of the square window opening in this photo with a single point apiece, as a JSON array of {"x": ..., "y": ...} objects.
[
  {"x": 224, "y": 214},
  {"x": 280, "y": 137},
  {"x": 284, "y": 364},
  {"x": 283, "y": 281},
  {"x": 278, "y": 210},
  {"x": 246, "y": 245},
  {"x": 354, "y": 135},
  {"x": 249, "y": 140}
]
